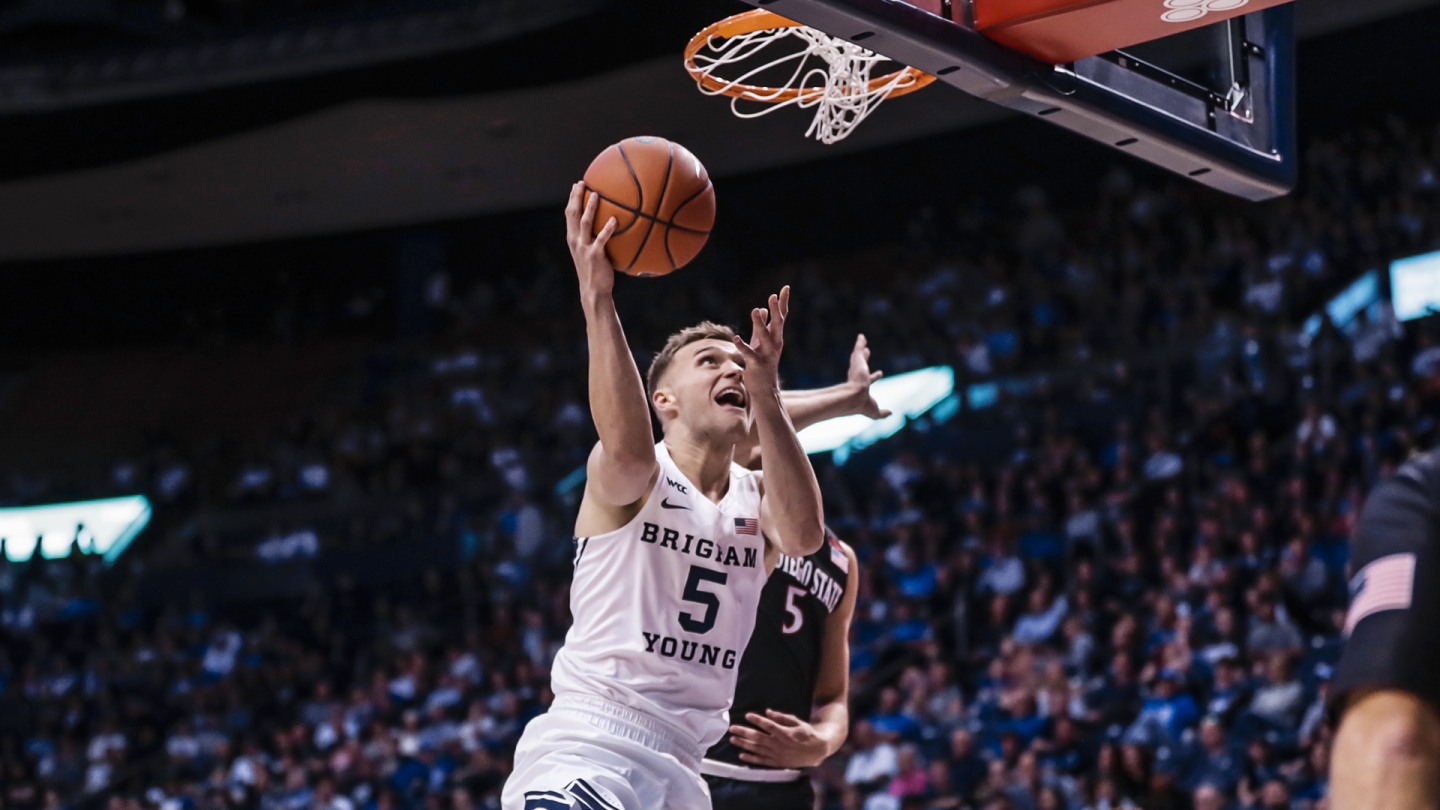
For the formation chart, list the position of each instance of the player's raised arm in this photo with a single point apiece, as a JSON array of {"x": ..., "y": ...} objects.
[
  {"x": 790, "y": 511},
  {"x": 809, "y": 406},
  {"x": 622, "y": 464}
]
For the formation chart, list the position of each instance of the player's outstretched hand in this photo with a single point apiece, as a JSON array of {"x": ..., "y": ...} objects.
[
  {"x": 587, "y": 248},
  {"x": 861, "y": 376},
  {"x": 767, "y": 339},
  {"x": 779, "y": 740}
]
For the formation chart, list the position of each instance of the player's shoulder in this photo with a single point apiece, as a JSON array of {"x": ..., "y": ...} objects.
[{"x": 1422, "y": 468}]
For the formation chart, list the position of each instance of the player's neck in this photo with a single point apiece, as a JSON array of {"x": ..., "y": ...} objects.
[{"x": 705, "y": 463}]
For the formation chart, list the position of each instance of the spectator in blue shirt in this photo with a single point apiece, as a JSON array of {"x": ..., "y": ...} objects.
[
  {"x": 967, "y": 768},
  {"x": 1117, "y": 698},
  {"x": 1165, "y": 714},
  {"x": 1039, "y": 624},
  {"x": 1230, "y": 694},
  {"x": 1215, "y": 762},
  {"x": 890, "y": 721}
]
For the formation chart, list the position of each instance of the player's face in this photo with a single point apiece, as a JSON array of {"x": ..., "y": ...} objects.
[{"x": 706, "y": 387}]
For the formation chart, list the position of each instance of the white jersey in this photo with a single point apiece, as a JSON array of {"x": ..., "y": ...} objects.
[{"x": 663, "y": 606}]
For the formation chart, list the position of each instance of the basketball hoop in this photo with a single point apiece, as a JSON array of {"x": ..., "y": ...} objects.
[{"x": 841, "y": 89}]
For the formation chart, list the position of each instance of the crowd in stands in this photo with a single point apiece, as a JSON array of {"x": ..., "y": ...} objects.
[{"x": 1132, "y": 600}]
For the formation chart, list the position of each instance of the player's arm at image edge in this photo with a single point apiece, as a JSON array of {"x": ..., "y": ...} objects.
[
  {"x": 831, "y": 716},
  {"x": 1386, "y": 752}
]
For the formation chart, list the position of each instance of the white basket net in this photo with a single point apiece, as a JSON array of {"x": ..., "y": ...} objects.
[{"x": 839, "y": 88}]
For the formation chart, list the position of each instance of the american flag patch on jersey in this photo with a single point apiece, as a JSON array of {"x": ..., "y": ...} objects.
[
  {"x": 837, "y": 554},
  {"x": 747, "y": 526},
  {"x": 1385, "y": 584}
]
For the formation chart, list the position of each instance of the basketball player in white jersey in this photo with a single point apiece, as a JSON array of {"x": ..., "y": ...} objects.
[{"x": 674, "y": 542}]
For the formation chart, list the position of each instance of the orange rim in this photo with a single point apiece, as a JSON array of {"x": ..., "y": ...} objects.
[{"x": 762, "y": 20}]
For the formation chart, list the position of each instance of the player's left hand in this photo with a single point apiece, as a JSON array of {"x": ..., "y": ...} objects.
[
  {"x": 767, "y": 339},
  {"x": 779, "y": 740},
  {"x": 860, "y": 377}
]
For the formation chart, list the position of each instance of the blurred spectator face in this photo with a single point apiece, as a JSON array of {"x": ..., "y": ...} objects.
[
  {"x": 1132, "y": 759},
  {"x": 1027, "y": 769},
  {"x": 1208, "y": 798},
  {"x": 1065, "y": 732},
  {"x": 1038, "y": 601},
  {"x": 864, "y": 735},
  {"x": 1000, "y": 610},
  {"x": 889, "y": 700},
  {"x": 937, "y": 776},
  {"x": 1167, "y": 687},
  {"x": 1212, "y": 736},
  {"x": 961, "y": 744},
  {"x": 906, "y": 760},
  {"x": 1225, "y": 622},
  {"x": 1275, "y": 796},
  {"x": 1009, "y": 746},
  {"x": 997, "y": 778},
  {"x": 1278, "y": 668},
  {"x": 1120, "y": 668}
]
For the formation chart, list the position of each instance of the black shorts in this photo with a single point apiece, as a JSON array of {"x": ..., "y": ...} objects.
[
  {"x": 1394, "y": 619},
  {"x": 735, "y": 794}
]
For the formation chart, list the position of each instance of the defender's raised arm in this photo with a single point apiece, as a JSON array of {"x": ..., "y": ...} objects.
[
  {"x": 622, "y": 464},
  {"x": 808, "y": 406},
  {"x": 791, "y": 515}
]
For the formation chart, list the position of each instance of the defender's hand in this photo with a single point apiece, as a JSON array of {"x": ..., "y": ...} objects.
[
  {"x": 767, "y": 339},
  {"x": 861, "y": 376},
  {"x": 779, "y": 740},
  {"x": 596, "y": 273}
]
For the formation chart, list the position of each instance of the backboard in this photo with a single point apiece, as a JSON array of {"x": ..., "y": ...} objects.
[{"x": 1214, "y": 103}]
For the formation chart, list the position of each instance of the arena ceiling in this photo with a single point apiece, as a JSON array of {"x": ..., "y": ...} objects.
[{"x": 373, "y": 162}]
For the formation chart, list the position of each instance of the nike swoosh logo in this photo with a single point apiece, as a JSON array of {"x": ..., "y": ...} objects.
[{"x": 665, "y": 504}]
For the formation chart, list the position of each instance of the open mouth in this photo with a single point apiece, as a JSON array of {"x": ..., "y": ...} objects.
[{"x": 732, "y": 397}]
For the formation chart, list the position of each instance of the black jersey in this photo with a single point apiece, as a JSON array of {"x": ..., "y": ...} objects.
[
  {"x": 782, "y": 661},
  {"x": 1394, "y": 615}
]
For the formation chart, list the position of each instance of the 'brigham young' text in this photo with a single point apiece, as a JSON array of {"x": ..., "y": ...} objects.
[{"x": 665, "y": 537}]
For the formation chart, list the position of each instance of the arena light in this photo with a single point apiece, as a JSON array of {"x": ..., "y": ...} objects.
[
  {"x": 103, "y": 527},
  {"x": 1361, "y": 294},
  {"x": 906, "y": 396},
  {"x": 1415, "y": 286}
]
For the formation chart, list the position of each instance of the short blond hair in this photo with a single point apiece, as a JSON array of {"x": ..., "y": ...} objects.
[{"x": 705, "y": 330}]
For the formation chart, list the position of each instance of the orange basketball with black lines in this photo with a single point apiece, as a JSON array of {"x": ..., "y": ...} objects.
[{"x": 662, "y": 202}]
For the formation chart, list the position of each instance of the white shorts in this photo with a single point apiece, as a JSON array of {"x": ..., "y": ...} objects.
[{"x": 591, "y": 754}]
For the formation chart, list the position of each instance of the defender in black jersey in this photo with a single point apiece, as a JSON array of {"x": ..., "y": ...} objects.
[
  {"x": 790, "y": 700},
  {"x": 1387, "y": 688},
  {"x": 790, "y": 709}
]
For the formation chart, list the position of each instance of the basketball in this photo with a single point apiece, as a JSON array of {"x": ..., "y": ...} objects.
[{"x": 662, "y": 202}]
